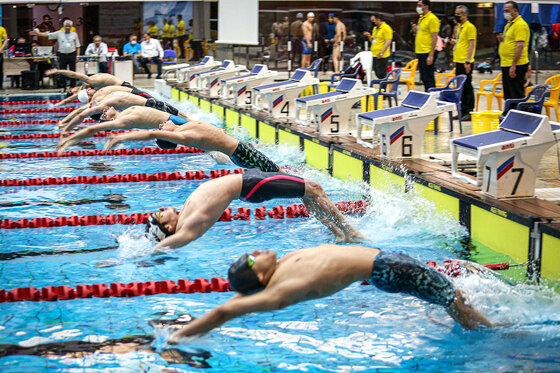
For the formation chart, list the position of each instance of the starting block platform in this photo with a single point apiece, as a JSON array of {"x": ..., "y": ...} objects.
[
  {"x": 278, "y": 98},
  {"x": 185, "y": 74},
  {"x": 238, "y": 90},
  {"x": 508, "y": 158},
  {"x": 401, "y": 128},
  {"x": 330, "y": 111},
  {"x": 208, "y": 81}
]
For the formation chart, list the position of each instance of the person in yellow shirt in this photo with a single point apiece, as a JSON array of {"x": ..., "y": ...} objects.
[
  {"x": 380, "y": 38},
  {"x": 165, "y": 34},
  {"x": 72, "y": 29},
  {"x": 181, "y": 35},
  {"x": 152, "y": 29},
  {"x": 4, "y": 42},
  {"x": 425, "y": 43},
  {"x": 513, "y": 50},
  {"x": 463, "y": 56},
  {"x": 170, "y": 34}
]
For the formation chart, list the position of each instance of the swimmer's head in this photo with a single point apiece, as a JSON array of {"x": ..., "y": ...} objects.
[
  {"x": 83, "y": 97},
  {"x": 108, "y": 114},
  {"x": 251, "y": 272},
  {"x": 96, "y": 117},
  {"x": 162, "y": 224}
]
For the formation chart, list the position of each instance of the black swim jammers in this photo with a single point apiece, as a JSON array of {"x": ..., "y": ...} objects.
[
  {"x": 400, "y": 273},
  {"x": 161, "y": 106},
  {"x": 261, "y": 186},
  {"x": 246, "y": 156},
  {"x": 136, "y": 91}
]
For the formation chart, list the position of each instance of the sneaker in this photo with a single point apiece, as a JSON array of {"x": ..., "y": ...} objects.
[
  {"x": 158, "y": 77},
  {"x": 149, "y": 75},
  {"x": 466, "y": 117}
]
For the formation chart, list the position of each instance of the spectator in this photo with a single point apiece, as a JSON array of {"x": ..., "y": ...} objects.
[
  {"x": 46, "y": 26},
  {"x": 447, "y": 33},
  {"x": 181, "y": 35},
  {"x": 151, "y": 52},
  {"x": 132, "y": 49},
  {"x": 463, "y": 56},
  {"x": 330, "y": 27},
  {"x": 170, "y": 34},
  {"x": 285, "y": 28},
  {"x": 307, "y": 41},
  {"x": 296, "y": 35},
  {"x": 339, "y": 38},
  {"x": 73, "y": 29},
  {"x": 425, "y": 44},
  {"x": 513, "y": 50},
  {"x": 380, "y": 38},
  {"x": 98, "y": 48},
  {"x": 152, "y": 29},
  {"x": 68, "y": 47}
]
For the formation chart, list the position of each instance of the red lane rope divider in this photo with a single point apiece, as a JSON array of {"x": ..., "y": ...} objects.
[
  {"x": 34, "y": 102},
  {"x": 46, "y": 121},
  {"x": 90, "y": 153},
  {"x": 121, "y": 178},
  {"x": 115, "y": 289},
  {"x": 243, "y": 213},
  {"x": 51, "y": 110},
  {"x": 52, "y": 135}
]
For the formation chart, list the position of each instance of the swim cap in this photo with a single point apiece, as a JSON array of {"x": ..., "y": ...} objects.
[
  {"x": 96, "y": 117},
  {"x": 310, "y": 14},
  {"x": 83, "y": 96},
  {"x": 164, "y": 144},
  {"x": 331, "y": 14},
  {"x": 242, "y": 278},
  {"x": 156, "y": 230},
  {"x": 299, "y": 15}
]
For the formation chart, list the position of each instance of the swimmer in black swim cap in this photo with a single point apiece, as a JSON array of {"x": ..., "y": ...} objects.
[
  {"x": 241, "y": 276},
  {"x": 158, "y": 227}
]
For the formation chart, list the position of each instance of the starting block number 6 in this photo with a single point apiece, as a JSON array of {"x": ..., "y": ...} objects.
[{"x": 405, "y": 148}]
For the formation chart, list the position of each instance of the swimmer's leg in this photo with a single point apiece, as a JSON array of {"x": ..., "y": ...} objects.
[
  {"x": 465, "y": 314},
  {"x": 310, "y": 206},
  {"x": 315, "y": 195},
  {"x": 246, "y": 156}
]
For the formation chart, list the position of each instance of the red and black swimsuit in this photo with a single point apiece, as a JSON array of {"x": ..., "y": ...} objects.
[{"x": 261, "y": 186}]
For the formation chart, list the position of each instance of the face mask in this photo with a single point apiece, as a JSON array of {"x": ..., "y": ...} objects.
[
  {"x": 458, "y": 19},
  {"x": 508, "y": 16},
  {"x": 132, "y": 43},
  {"x": 419, "y": 10}
]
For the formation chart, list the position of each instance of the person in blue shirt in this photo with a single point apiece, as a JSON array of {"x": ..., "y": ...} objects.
[
  {"x": 330, "y": 27},
  {"x": 132, "y": 49}
]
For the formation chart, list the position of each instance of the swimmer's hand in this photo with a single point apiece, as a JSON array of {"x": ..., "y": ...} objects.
[
  {"x": 113, "y": 141},
  {"x": 168, "y": 126},
  {"x": 63, "y": 145},
  {"x": 50, "y": 72}
]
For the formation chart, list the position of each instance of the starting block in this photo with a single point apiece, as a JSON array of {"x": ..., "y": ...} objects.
[
  {"x": 330, "y": 111},
  {"x": 239, "y": 89},
  {"x": 208, "y": 81},
  {"x": 508, "y": 158},
  {"x": 278, "y": 97},
  {"x": 185, "y": 74},
  {"x": 401, "y": 128}
]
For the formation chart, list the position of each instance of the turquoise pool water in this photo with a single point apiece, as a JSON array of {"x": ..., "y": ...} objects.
[{"x": 358, "y": 329}]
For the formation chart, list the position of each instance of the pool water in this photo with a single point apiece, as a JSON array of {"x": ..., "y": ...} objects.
[{"x": 357, "y": 329}]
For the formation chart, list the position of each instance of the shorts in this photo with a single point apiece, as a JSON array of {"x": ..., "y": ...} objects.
[
  {"x": 261, "y": 186},
  {"x": 399, "y": 273},
  {"x": 127, "y": 84},
  {"x": 164, "y": 144},
  {"x": 161, "y": 106},
  {"x": 246, "y": 156},
  {"x": 138, "y": 92},
  {"x": 306, "y": 49}
]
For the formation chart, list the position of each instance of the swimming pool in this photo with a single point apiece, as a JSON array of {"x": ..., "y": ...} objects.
[{"x": 358, "y": 329}]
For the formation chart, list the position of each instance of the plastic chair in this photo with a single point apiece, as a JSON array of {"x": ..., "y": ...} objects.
[
  {"x": 443, "y": 78},
  {"x": 490, "y": 93},
  {"x": 169, "y": 56},
  {"x": 452, "y": 92},
  {"x": 532, "y": 103},
  {"x": 392, "y": 80},
  {"x": 351, "y": 71},
  {"x": 409, "y": 73},
  {"x": 315, "y": 66},
  {"x": 553, "y": 95}
]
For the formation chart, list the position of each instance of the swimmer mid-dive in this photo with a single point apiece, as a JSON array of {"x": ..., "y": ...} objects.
[
  {"x": 98, "y": 80},
  {"x": 206, "y": 204},
  {"x": 174, "y": 130},
  {"x": 90, "y": 94},
  {"x": 265, "y": 283},
  {"x": 119, "y": 101}
]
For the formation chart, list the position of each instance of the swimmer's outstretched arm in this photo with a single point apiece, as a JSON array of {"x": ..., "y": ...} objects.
[
  {"x": 174, "y": 137},
  {"x": 176, "y": 240},
  {"x": 79, "y": 118},
  {"x": 71, "y": 116},
  {"x": 72, "y": 97},
  {"x": 265, "y": 300},
  {"x": 69, "y": 74},
  {"x": 90, "y": 131}
]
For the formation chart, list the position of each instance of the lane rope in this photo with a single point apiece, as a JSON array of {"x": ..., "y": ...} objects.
[
  {"x": 90, "y": 153},
  {"x": 52, "y": 135},
  {"x": 243, "y": 213},
  {"x": 121, "y": 178},
  {"x": 45, "y": 121},
  {"x": 51, "y": 110},
  {"x": 35, "y": 102}
]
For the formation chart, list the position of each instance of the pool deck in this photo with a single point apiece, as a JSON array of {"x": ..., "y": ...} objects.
[{"x": 527, "y": 230}]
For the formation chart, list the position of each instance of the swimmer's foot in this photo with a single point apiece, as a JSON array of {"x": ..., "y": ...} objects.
[{"x": 220, "y": 157}]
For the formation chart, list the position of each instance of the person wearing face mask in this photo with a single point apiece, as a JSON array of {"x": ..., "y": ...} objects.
[
  {"x": 463, "y": 56},
  {"x": 513, "y": 50},
  {"x": 132, "y": 49},
  {"x": 380, "y": 39},
  {"x": 426, "y": 31}
]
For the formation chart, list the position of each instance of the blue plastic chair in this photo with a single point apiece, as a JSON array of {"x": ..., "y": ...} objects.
[
  {"x": 169, "y": 56},
  {"x": 452, "y": 92},
  {"x": 315, "y": 67},
  {"x": 335, "y": 78},
  {"x": 536, "y": 95},
  {"x": 392, "y": 79}
]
